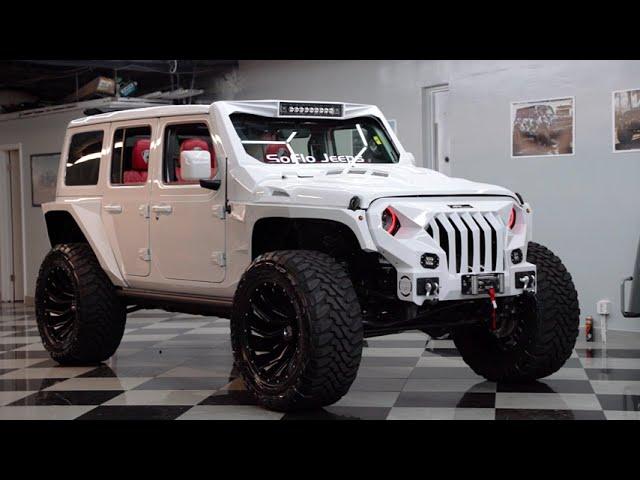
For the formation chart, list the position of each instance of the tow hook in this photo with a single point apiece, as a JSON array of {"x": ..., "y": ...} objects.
[{"x": 492, "y": 298}]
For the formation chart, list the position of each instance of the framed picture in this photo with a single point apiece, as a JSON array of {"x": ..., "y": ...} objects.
[
  {"x": 44, "y": 174},
  {"x": 543, "y": 127},
  {"x": 626, "y": 120}
]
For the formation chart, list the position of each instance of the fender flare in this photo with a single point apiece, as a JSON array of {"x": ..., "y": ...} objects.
[{"x": 86, "y": 213}]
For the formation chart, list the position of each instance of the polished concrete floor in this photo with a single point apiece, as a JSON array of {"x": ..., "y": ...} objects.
[{"x": 175, "y": 366}]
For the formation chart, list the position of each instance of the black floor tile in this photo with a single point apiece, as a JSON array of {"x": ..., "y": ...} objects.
[
  {"x": 629, "y": 403},
  {"x": 89, "y": 397},
  {"x": 146, "y": 412},
  {"x": 446, "y": 399},
  {"x": 547, "y": 386},
  {"x": 230, "y": 397},
  {"x": 443, "y": 352},
  {"x": 613, "y": 374},
  {"x": 22, "y": 385},
  {"x": 531, "y": 414}
]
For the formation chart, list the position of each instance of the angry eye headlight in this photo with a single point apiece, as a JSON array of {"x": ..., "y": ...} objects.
[
  {"x": 390, "y": 221},
  {"x": 512, "y": 218}
]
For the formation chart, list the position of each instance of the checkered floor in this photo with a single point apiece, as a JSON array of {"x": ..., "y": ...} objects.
[{"x": 175, "y": 366}]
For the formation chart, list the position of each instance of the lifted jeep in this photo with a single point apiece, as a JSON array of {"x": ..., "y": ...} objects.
[{"x": 310, "y": 226}]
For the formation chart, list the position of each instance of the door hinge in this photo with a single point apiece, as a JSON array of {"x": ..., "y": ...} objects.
[
  {"x": 144, "y": 210},
  {"x": 144, "y": 254},
  {"x": 12, "y": 278},
  {"x": 219, "y": 211},
  {"x": 219, "y": 258}
]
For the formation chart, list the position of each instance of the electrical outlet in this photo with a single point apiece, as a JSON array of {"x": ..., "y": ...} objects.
[{"x": 603, "y": 307}]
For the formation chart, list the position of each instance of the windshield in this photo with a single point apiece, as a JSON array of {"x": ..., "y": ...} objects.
[{"x": 314, "y": 140}]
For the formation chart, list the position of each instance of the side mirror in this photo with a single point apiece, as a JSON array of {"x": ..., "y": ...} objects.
[
  {"x": 195, "y": 164},
  {"x": 210, "y": 184}
]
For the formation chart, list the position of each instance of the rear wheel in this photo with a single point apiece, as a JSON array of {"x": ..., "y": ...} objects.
[
  {"x": 296, "y": 330},
  {"x": 536, "y": 333},
  {"x": 80, "y": 318}
]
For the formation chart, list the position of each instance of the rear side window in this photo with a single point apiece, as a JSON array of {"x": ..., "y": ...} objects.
[
  {"x": 130, "y": 155},
  {"x": 83, "y": 160},
  {"x": 179, "y": 138}
]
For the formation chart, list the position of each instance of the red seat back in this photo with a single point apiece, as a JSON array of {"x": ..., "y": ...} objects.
[{"x": 139, "y": 162}]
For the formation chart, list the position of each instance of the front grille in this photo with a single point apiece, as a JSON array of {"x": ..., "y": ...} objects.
[{"x": 472, "y": 242}]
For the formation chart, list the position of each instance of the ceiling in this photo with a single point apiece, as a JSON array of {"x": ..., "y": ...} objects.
[{"x": 48, "y": 82}]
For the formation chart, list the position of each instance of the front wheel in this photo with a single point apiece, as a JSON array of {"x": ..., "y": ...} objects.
[
  {"x": 80, "y": 318},
  {"x": 539, "y": 331},
  {"x": 296, "y": 330}
]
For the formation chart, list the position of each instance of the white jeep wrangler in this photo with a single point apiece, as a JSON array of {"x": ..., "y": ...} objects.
[{"x": 310, "y": 226}]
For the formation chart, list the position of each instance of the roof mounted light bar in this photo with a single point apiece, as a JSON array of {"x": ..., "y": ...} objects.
[{"x": 299, "y": 109}]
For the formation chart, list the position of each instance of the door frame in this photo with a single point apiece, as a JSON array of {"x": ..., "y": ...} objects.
[
  {"x": 6, "y": 226},
  {"x": 428, "y": 123}
]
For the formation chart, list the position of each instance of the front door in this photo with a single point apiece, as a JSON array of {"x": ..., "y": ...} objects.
[
  {"x": 125, "y": 206},
  {"x": 187, "y": 221}
]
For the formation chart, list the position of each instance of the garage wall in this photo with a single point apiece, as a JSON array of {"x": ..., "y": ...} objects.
[
  {"x": 35, "y": 135},
  {"x": 586, "y": 205}
]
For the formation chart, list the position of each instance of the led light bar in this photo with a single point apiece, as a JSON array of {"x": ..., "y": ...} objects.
[{"x": 293, "y": 109}]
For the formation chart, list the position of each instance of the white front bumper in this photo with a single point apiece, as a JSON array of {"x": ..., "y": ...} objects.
[{"x": 468, "y": 234}]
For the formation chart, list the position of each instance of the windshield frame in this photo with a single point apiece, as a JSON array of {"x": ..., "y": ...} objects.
[{"x": 393, "y": 150}]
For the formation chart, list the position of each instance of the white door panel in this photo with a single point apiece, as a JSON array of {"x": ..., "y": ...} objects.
[
  {"x": 187, "y": 233},
  {"x": 125, "y": 213}
]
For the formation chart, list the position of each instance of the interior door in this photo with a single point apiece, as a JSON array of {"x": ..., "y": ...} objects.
[
  {"x": 125, "y": 204},
  {"x": 187, "y": 221},
  {"x": 442, "y": 142},
  {"x": 16, "y": 223}
]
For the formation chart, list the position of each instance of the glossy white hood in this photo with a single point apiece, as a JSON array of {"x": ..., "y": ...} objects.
[{"x": 335, "y": 186}]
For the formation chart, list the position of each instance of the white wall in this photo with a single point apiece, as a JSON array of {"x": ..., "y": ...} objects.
[
  {"x": 586, "y": 205},
  {"x": 36, "y": 135}
]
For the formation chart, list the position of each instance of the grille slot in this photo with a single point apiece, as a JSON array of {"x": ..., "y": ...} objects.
[{"x": 472, "y": 242}]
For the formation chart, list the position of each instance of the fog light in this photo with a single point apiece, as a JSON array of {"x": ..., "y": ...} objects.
[
  {"x": 404, "y": 286},
  {"x": 516, "y": 256},
  {"x": 429, "y": 260}
]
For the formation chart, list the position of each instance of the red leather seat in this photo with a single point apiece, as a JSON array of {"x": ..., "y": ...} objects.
[
  {"x": 139, "y": 162},
  {"x": 196, "y": 144}
]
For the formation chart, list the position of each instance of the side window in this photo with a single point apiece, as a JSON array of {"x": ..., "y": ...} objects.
[
  {"x": 83, "y": 160},
  {"x": 130, "y": 155},
  {"x": 182, "y": 137}
]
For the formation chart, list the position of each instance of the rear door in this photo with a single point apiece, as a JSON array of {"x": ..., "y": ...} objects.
[
  {"x": 187, "y": 221},
  {"x": 125, "y": 207}
]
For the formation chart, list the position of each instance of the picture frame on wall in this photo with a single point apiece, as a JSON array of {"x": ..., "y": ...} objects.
[
  {"x": 44, "y": 175},
  {"x": 543, "y": 127},
  {"x": 625, "y": 127}
]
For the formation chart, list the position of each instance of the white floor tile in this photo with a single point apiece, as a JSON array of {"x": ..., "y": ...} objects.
[
  {"x": 160, "y": 397},
  {"x": 108, "y": 383},
  {"x": 417, "y": 413},
  {"x": 229, "y": 412},
  {"x": 554, "y": 401},
  {"x": 65, "y": 412}
]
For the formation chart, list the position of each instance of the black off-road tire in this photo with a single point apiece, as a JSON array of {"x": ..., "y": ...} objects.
[
  {"x": 97, "y": 318},
  {"x": 328, "y": 341},
  {"x": 545, "y": 333}
]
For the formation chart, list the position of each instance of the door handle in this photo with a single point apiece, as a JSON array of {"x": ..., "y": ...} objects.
[
  {"x": 113, "y": 208},
  {"x": 161, "y": 208}
]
